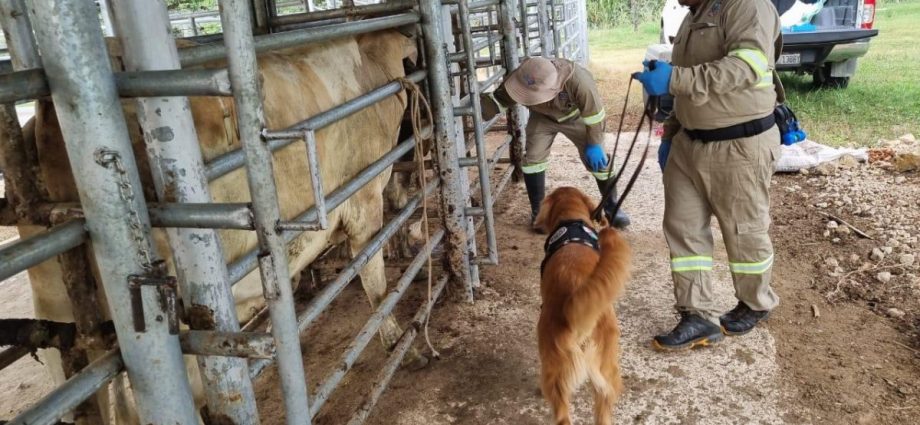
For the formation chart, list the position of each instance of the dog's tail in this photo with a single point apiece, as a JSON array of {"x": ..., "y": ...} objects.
[{"x": 596, "y": 294}]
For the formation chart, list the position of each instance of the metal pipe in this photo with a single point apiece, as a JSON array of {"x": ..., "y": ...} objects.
[
  {"x": 247, "y": 263},
  {"x": 40, "y": 247},
  {"x": 273, "y": 263},
  {"x": 11, "y": 355},
  {"x": 488, "y": 82},
  {"x": 210, "y": 52},
  {"x": 230, "y": 161},
  {"x": 259, "y": 345},
  {"x": 554, "y": 21},
  {"x": 65, "y": 398},
  {"x": 178, "y": 176},
  {"x": 202, "y": 215},
  {"x": 338, "y": 113},
  {"x": 393, "y": 362},
  {"x": 515, "y": 114},
  {"x": 478, "y": 132},
  {"x": 322, "y": 300},
  {"x": 373, "y": 324},
  {"x": 453, "y": 193},
  {"x": 345, "y": 12},
  {"x": 31, "y": 84},
  {"x": 102, "y": 159},
  {"x": 543, "y": 25}
]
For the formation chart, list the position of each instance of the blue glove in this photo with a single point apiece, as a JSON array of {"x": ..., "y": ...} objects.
[
  {"x": 597, "y": 160},
  {"x": 656, "y": 78},
  {"x": 663, "y": 150}
]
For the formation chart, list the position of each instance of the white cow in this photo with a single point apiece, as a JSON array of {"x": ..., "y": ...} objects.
[{"x": 297, "y": 83}]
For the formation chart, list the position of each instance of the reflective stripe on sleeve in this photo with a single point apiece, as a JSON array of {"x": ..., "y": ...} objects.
[
  {"x": 570, "y": 115},
  {"x": 758, "y": 63},
  {"x": 595, "y": 119}
]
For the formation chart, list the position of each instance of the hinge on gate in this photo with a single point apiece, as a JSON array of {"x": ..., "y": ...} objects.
[{"x": 166, "y": 290}]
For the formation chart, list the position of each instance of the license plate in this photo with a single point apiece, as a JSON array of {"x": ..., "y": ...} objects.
[{"x": 790, "y": 59}]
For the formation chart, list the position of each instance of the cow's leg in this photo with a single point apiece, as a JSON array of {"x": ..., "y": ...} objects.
[{"x": 361, "y": 224}]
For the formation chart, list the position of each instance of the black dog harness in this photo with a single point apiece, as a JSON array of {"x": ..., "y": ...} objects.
[{"x": 571, "y": 231}]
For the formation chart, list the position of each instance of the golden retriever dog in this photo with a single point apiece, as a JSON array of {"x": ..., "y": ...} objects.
[{"x": 583, "y": 274}]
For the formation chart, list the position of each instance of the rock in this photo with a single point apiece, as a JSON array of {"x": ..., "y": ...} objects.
[
  {"x": 790, "y": 189},
  {"x": 887, "y": 250},
  {"x": 832, "y": 225},
  {"x": 843, "y": 230},
  {"x": 827, "y": 233},
  {"x": 831, "y": 262},
  {"x": 848, "y": 162},
  {"x": 907, "y": 260},
  {"x": 821, "y": 205},
  {"x": 907, "y": 162},
  {"x": 835, "y": 240},
  {"x": 883, "y": 277},
  {"x": 895, "y": 313},
  {"x": 877, "y": 255},
  {"x": 900, "y": 179},
  {"x": 804, "y": 172},
  {"x": 826, "y": 169},
  {"x": 854, "y": 258},
  {"x": 908, "y": 139}
]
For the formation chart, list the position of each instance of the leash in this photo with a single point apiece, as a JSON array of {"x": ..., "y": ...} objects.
[
  {"x": 418, "y": 100},
  {"x": 651, "y": 105}
]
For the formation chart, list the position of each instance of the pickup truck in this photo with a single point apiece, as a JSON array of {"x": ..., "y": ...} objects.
[{"x": 825, "y": 42}]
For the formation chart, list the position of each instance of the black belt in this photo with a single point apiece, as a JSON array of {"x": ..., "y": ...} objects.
[{"x": 737, "y": 131}]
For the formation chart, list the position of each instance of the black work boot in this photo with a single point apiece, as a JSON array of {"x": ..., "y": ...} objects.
[
  {"x": 536, "y": 189},
  {"x": 741, "y": 319},
  {"x": 692, "y": 331},
  {"x": 620, "y": 220}
]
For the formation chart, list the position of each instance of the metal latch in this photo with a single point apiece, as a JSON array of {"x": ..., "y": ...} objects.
[{"x": 166, "y": 289}]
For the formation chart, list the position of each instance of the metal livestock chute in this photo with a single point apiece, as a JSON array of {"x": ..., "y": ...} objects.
[{"x": 460, "y": 42}]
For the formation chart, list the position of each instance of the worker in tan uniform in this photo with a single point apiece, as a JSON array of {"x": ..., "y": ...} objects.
[
  {"x": 723, "y": 144},
  {"x": 562, "y": 98}
]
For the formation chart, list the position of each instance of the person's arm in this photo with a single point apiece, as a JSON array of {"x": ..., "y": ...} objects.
[
  {"x": 495, "y": 102},
  {"x": 588, "y": 100},
  {"x": 750, "y": 31},
  {"x": 671, "y": 127}
]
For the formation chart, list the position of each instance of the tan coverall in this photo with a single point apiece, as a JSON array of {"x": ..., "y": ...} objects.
[
  {"x": 577, "y": 112},
  {"x": 724, "y": 56}
]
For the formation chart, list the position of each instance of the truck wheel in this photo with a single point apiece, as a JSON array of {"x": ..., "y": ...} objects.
[{"x": 823, "y": 79}]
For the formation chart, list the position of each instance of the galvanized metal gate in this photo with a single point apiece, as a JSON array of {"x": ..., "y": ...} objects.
[{"x": 73, "y": 69}]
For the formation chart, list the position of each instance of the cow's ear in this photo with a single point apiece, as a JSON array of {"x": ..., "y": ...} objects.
[{"x": 410, "y": 49}]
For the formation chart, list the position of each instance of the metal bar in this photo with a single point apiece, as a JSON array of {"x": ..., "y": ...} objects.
[
  {"x": 102, "y": 159},
  {"x": 276, "y": 280},
  {"x": 230, "y": 161},
  {"x": 373, "y": 324},
  {"x": 38, "y": 248},
  {"x": 259, "y": 345},
  {"x": 346, "y": 12},
  {"x": 478, "y": 133},
  {"x": 32, "y": 84},
  {"x": 178, "y": 176},
  {"x": 393, "y": 362},
  {"x": 65, "y": 398},
  {"x": 556, "y": 36},
  {"x": 247, "y": 263},
  {"x": 209, "y": 52},
  {"x": 11, "y": 355},
  {"x": 488, "y": 82},
  {"x": 322, "y": 300},
  {"x": 201, "y": 215},
  {"x": 453, "y": 195},
  {"x": 515, "y": 114},
  {"x": 338, "y": 113},
  {"x": 543, "y": 25},
  {"x": 316, "y": 179}
]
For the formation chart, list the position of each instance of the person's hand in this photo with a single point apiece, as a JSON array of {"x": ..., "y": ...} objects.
[
  {"x": 663, "y": 150},
  {"x": 597, "y": 160},
  {"x": 656, "y": 78}
]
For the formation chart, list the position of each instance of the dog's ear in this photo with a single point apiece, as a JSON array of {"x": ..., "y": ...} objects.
[
  {"x": 588, "y": 202},
  {"x": 541, "y": 222}
]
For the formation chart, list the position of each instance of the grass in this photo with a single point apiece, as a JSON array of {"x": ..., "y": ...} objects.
[{"x": 881, "y": 102}]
